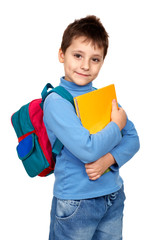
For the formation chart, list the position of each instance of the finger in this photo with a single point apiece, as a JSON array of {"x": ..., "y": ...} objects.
[
  {"x": 89, "y": 170},
  {"x": 88, "y": 165},
  {"x": 95, "y": 178},
  {"x": 91, "y": 175},
  {"x": 114, "y": 105},
  {"x": 121, "y": 109}
]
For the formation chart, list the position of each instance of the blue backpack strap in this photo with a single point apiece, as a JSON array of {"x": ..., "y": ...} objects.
[
  {"x": 45, "y": 92},
  {"x": 59, "y": 90},
  {"x": 64, "y": 93},
  {"x": 57, "y": 146}
]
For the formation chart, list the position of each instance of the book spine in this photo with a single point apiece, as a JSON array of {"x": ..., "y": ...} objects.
[{"x": 77, "y": 108}]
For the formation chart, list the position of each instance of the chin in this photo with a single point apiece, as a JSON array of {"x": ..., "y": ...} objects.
[{"x": 82, "y": 83}]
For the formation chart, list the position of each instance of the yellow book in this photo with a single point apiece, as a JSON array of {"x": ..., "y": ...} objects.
[{"x": 94, "y": 108}]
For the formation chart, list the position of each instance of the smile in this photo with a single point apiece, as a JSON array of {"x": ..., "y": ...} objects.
[{"x": 83, "y": 75}]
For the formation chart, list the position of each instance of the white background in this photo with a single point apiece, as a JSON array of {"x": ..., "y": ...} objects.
[{"x": 31, "y": 33}]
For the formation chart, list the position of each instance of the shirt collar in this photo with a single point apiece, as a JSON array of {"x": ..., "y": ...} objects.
[{"x": 74, "y": 86}]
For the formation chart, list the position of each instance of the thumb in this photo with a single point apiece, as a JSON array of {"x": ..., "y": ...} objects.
[{"x": 114, "y": 104}]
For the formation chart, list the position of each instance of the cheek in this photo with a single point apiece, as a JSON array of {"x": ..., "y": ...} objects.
[
  {"x": 70, "y": 65},
  {"x": 67, "y": 67},
  {"x": 96, "y": 70}
]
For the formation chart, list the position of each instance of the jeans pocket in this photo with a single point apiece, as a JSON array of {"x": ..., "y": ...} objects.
[{"x": 66, "y": 208}]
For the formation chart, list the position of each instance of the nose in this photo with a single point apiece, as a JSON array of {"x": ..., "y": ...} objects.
[{"x": 85, "y": 64}]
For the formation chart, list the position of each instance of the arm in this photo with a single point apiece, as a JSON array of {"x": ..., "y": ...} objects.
[
  {"x": 61, "y": 120},
  {"x": 128, "y": 146},
  {"x": 118, "y": 156},
  {"x": 95, "y": 169}
]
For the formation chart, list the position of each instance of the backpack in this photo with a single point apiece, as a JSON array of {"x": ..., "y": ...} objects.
[{"x": 34, "y": 148}]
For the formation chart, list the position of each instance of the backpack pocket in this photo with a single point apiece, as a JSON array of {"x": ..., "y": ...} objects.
[{"x": 30, "y": 152}]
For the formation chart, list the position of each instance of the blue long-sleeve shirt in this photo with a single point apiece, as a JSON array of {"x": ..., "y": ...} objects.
[{"x": 80, "y": 147}]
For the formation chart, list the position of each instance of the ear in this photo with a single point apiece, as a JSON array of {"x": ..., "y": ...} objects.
[{"x": 61, "y": 56}]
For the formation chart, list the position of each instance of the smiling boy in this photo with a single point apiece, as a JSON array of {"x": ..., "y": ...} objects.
[
  {"x": 82, "y": 61},
  {"x": 86, "y": 204}
]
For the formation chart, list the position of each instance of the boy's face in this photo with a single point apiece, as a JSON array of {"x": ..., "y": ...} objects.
[{"x": 82, "y": 61}]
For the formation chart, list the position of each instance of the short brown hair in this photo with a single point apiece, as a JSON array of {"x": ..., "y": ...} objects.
[{"x": 90, "y": 27}]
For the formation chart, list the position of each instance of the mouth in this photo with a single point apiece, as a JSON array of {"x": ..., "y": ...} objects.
[{"x": 82, "y": 74}]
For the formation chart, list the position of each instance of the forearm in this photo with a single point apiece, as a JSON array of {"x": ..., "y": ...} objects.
[
  {"x": 108, "y": 160},
  {"x": 96, "y": 169},
  {"x": 128, "y": 146},
  {"x": 114, "y": 159}
]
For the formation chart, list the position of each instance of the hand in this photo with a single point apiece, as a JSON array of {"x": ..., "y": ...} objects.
[
  {"x": 95, "y": 169},
  {"x": 118, "y": 115}
]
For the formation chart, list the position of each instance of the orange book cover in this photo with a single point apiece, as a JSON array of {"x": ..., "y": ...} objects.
[{"x": 94, "y": 108}]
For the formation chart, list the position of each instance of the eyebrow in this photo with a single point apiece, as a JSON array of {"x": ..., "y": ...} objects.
[{"x": 79, "y": 51}]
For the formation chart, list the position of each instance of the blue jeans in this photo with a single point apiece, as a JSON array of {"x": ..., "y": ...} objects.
[{"x": 91, "y": 219}]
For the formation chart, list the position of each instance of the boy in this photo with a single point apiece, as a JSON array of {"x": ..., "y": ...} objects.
[{"x": 87, "y": 204}]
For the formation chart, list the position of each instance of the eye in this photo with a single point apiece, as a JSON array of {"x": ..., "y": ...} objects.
[
  {"x": 77, "y": 55},
  {"x": 96, "y": 60}
]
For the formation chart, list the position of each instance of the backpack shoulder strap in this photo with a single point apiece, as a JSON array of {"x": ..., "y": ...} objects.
[
  {"x": 57, "y": 146},
  {"x": 94, "y": 88},
  {"x": 59, "y": 90},
  {"x": 64, "y": 93}
]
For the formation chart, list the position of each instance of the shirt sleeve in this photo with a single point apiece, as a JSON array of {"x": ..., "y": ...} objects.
[
  {"x": 61, "y": 120},
  {"x": 127, "y": 147}
]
